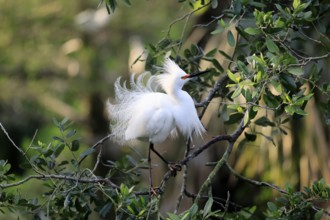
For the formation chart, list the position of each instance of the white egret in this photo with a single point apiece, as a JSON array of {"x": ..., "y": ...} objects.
[{"x": 143, "y": 112}]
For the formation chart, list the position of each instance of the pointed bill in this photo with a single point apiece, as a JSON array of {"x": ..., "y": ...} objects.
[{"x": 194, "y": 74}]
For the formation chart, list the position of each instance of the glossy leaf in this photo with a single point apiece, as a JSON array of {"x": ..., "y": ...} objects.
[
  {"x": 297, "y": 71},
  {"x": 252, "y": 31},
  {"x": 230, "y": 39},
  {"x": 264, "y": 121},
  {"x": 272, "y": 47}
]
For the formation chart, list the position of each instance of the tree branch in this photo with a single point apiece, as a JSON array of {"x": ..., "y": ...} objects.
[
  {"x": 100, "y": 142},
  {"x": 254, "y": 182},
  {"x": 217, "y": 86},
  {"x": 60, "y": 177}
]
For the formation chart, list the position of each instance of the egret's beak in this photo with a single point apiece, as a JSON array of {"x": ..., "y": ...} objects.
[{"x": 194, "y": 74}]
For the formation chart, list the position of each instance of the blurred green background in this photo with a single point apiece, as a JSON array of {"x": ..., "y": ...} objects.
[{"x": 60, "y": 59}]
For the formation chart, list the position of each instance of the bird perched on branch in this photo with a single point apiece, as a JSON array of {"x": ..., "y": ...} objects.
[{"x": 144, "y": 112}]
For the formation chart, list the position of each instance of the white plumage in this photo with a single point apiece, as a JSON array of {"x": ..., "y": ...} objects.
[{"x": 144, "y": 112}]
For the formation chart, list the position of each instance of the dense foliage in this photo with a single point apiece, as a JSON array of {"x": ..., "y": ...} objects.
[{"x": 264, "y": 80}]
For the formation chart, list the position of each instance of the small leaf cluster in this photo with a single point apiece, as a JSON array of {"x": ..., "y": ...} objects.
[
  {"x": 206, "y": 212},
  {"x": 71, "y": 191},
  {"x": 299, "y": 205},
  {"x": 111, "y": 5}
]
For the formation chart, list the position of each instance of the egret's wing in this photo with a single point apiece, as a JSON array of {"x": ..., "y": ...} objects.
[{"x": 160, "y": 125}]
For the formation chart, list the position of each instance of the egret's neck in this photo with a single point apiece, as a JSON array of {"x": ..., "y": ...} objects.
[{"x": 175, "y": 92}]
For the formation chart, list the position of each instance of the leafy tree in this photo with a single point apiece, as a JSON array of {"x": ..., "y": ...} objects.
[{"x": 264, "y": 80}]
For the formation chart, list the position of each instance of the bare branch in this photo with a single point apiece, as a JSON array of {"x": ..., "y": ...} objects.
[
  {"x": 217, "y": 86},
  {"x": 184, "y": 178},
  {"x": 60, "y": 177},
  {"x": 184, "y": 17},
  {"x": 254, "y": 182},
  {"x": 11, "y": 141},
  {"x": 193, "y": 196},
  {"x": 100, "y": 142}
]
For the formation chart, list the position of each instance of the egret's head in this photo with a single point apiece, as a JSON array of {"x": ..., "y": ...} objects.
[{"x": 174, "y": 78}]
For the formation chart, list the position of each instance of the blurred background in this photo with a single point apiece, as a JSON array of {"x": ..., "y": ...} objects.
[{"x": 60, "y": 59}]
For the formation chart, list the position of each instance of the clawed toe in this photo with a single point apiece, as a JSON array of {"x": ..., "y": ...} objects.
[
  {"x": 174, "y": 167},
  {"x": 154, "y": 191}
]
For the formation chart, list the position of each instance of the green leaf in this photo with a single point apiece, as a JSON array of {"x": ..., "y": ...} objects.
[
  {"x": 231, "y": 76},
  {"x": 235, "y": 117},
  {"x": 214, "y": 4},
  {"x": 272, "y": 47},
  {"x": 246, "y": 118},
  {"x": 131, "y": 210},
  {"x": 252, "y": 31},
  {"x": 271, "y": 206},
  {"x": 211, "y": 53},
  {"x": 219, "y": 30},
  {"x": 224, "y": 113},
  {"x": 277, "y": 85},
  {"x": 241, "y": 66},
  {"x": 230, "y": 39},
  {"x": 217, "y": 65},
  {"x": 247, "y": 213},
  {"x": 237, "y": 92},
  {"x": 223, "y": 23},
  {"x": 264, "y": 121},
  {"x": 172, "y": 216},
  {"x": 71, "y": 133},
  {"x": 288, "y": 82},
  {"x": 128, "y": 2},
  {"x": 207, "y": 207},
  {"x": 319, "y": 215},
  {"x": 58, "y": 150},
  {"x": 75, "y": 145},
  {"x": 225, "y": 54},
  {"x": 291, "y": 109},
  {"x": 58, "y": 139},
  {"x": 296, "y": 3},
  {"x": 86, "y": 153},
  {"x": 193, "y": 209},
  {"x": 105, "y": 210},
  {"x": 298, "y": 71},
  {"x": 257, "y": 4},
  {"x": 112, "y": 4}
]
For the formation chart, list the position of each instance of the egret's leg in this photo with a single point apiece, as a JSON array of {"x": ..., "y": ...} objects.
[
  {"x": 151, "y": 189},
  {"x": 173, "y": 166},
  {"x": 158, "y": 154},
  {"x": 150, "y": 175}
]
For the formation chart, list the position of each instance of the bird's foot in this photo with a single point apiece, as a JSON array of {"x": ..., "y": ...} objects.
[
  {"x": 174, "y": 167},
  {"x": 154, "y": 191}
]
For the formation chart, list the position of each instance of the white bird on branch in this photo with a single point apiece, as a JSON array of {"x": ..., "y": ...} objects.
[{"x": 142, "y": 112}]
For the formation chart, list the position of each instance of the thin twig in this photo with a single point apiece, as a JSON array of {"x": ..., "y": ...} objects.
[
  {"x": 217, "y": 86},
  {"x": 215, "y": 18},
  {"x": 98, "y": 159},
  {"x": 60, "y": 177},
  {"x": 254, "y": 182},
  {"x": 183, "y": 17},
  {"x": 184, "y": 178},
  {"x": 266, "y": 184},
  {"x": 193, "y": 196},
  {"x": 12, "y": 142},
  {"x": 227, "y": 204},
  {"x": 100, "y": 142},
  {"x": 34, "y": 167}
]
